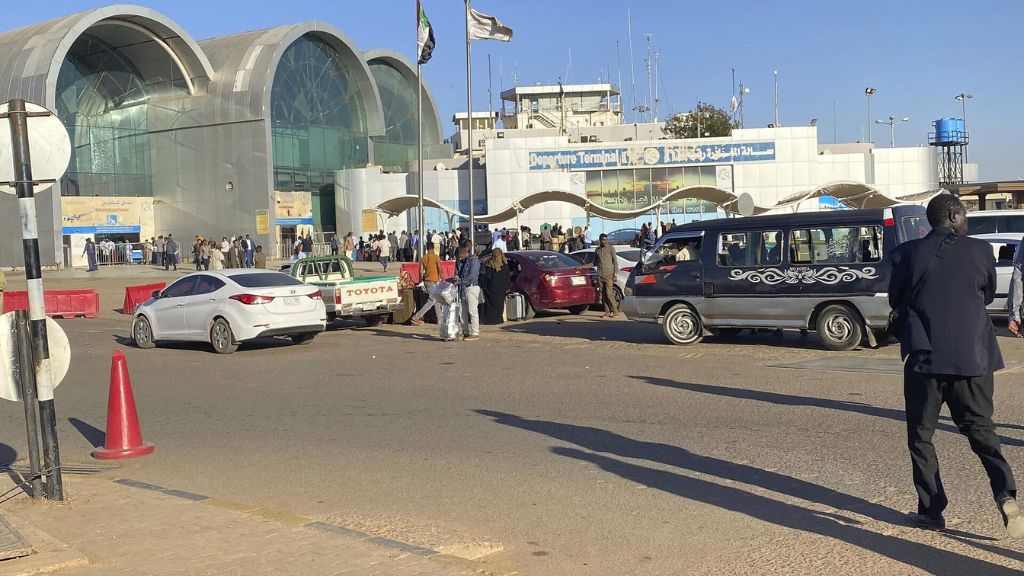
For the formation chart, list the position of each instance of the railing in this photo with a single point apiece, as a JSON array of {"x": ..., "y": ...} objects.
[{"x": 285, "y": 251}]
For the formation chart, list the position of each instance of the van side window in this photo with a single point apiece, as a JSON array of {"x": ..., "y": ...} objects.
[
  {"x": 737, "y": 249},
  {"x": 838, "y": 245},
  {"x": 686, "y": 249}
]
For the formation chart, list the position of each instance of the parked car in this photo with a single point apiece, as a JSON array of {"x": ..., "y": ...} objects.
[
  {"x": 228, "y": 307},
  {"x": 826, "y": 271},
  {"x": 1004, "y": 248},
  {"x": 624, "y": 237},
  {"x": 628, "y": 258},
  {"x": 552, "y": 280},
  {"x": 995, "y": 222},
  {"x": 373, "y": 298}
]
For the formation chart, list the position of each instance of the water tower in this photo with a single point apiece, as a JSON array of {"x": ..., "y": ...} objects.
[{"x": 950, "y": 139}]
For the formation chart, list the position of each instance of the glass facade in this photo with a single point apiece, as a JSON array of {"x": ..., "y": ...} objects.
[
  {"x": 630, "y": 189},
  {"x": 398, "y": 98},
  {"x": 318, "y": 124},
  {"x": 103, "y": 99}
]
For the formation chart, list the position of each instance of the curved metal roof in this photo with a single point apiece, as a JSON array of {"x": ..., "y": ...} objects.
[
  {"x": 853, "y": 194},
  {"x": 856, "y": 195},
  {"x": 408, "y": 70},
  {"x": 31, "y": 57},
  {"x": 247, "y": 62}
]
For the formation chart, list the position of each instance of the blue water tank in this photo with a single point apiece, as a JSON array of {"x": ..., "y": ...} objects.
[{"x": 949, "y": 131}]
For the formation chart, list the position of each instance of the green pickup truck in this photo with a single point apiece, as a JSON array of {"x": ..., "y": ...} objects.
[{"x": 372, "y": 298}]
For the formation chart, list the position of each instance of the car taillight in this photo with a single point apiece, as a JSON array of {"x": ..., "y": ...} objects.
[
  {"x": 887, "y": 217},
  {"x": 627, "y": 270},
  {"x": 550, "y": 279},
  {"x": 249, "y": 299},
  {"x": 314, "y": 295},
  {"x": 337, "y": 296}
]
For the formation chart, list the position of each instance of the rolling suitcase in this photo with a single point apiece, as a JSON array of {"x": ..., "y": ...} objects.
[{"x": 515, "y": 306}]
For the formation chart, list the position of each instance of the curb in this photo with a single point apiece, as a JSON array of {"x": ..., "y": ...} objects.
[
  {"x": 297, "y": 521},
  {"x": 50, "y": 554}
]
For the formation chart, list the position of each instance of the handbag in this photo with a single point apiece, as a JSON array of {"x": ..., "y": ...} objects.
[{"x": 898, "y": 316}]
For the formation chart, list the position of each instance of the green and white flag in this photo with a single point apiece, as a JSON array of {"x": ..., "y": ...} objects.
[{"x": 424, "y": 36}]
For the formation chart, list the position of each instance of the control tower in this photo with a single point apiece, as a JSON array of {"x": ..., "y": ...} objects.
[{"x": 950, "y": 140}]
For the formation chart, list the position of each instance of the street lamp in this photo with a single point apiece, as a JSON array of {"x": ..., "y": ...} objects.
[
  {"x": 869, "y": 92},
  {"x": 963, "y": 97},
  {"x": 892, "y": 131}
]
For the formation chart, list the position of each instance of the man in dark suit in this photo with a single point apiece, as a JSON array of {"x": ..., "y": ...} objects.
[{"x": 940, "y": 285}]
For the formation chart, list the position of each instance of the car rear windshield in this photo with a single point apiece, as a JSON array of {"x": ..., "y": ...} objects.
[
  {"x": 265, "y": 280},
  {"x": 633, "y": 255},
  {"x": 552, "y": 261}
]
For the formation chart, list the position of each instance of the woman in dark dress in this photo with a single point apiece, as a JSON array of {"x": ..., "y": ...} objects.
[{"x": 494, "y": 282}]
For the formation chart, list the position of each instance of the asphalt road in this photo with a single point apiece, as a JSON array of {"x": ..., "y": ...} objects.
[{"x": 572, "y": 444}]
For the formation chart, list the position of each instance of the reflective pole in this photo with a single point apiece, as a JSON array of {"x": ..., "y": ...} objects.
[
  {"x": 469, "y": 111},
  {"x": 22, "y": 338},
  {"x": 18, "y": 118}
]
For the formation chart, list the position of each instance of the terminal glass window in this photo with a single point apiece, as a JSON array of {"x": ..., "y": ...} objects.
[
  {"x": 836, "y": 245},
  {"x": 398, "y": 99},
  {"x": 103, "y": 92},
  {"x": 318, "y": 123}
]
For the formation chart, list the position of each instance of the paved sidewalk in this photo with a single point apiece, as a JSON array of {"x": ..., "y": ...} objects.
[{"x": 126, "y": 530}]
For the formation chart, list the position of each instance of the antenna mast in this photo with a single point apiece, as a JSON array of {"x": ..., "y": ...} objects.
[{"x": 632, "y": 72}]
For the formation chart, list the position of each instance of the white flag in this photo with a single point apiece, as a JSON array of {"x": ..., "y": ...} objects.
[
  {"x": 484, "y": 27},
  {"x": 734, "y": 105}
]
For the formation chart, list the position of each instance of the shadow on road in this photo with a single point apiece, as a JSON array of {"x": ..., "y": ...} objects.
[
  {"x": 92, "y": 434},
  {"x": 589, "y": 328},
  {"x": 8, "y": 455},
  {"x": 599, "y": 440},
  {"x": 810, "y": 401},
  {"x": 793, "y": 516},
  {"x": 922, "y": 556}
]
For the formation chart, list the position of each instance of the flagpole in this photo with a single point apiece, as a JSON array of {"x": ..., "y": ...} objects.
[
  {"x": 469, "y": 111},
  {"x": 419, "y": 135},
  {"x": 419, "y": 152}
]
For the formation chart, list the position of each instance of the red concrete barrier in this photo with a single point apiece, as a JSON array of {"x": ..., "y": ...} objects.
[
  {"x": 413, "y": 269},
  {"x": 134, "y": 296},
  {"x": 448, "y": 268},
  {"x": 60, "y": 303}
]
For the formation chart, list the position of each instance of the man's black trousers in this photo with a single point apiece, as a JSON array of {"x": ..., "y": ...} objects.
[{"x": 970, "y": 404}]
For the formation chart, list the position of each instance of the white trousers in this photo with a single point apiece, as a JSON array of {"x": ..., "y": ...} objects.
[{"x": 471, "y": 308}]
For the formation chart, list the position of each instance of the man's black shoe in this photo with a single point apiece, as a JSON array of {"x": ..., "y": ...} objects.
[
  {"x": 925, "y": 522},
  {"x": 1012, "y": 517}
]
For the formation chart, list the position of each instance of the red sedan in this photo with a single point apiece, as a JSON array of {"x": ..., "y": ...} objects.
[{"x": 552, "y": 280}]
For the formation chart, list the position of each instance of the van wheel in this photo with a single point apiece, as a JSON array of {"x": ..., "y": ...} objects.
[
  {"x": 839, "y": 328},
  {"x": 682, "y": 325}
]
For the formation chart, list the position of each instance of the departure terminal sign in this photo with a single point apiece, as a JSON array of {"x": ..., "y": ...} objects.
[{"x": 638, "y": 156}]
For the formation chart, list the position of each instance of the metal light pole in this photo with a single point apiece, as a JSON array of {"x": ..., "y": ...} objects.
[
  {"x": 963, "y": 97},
  {"x": 869, "y": 92},
  {"x": 776, "y": 75},
  {"x": 743, "y": 92},
  {"x": 892, "y": 122}
]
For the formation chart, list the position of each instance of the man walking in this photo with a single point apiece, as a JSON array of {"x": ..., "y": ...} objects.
[
  {"x": 350, "y": 247},
  {"x": 170, "y": 253},
  {"x": 307, "y": 246},
  {"x": 430, "y": 267},
  {"x": 384, "y": 247},
  {"x": 392, "y": 246},
  {"x": 939, "y": 288},
  {"x": 161, "y": 250},
  {"x": 588, "y": 238},
  {"x": 468, "y": 271},
  {"x": 250, "y": 251},
  {"x": 334, "y": 244},
  {"x": 606, "y": 264},
  {"x": 90, "y": 254}
]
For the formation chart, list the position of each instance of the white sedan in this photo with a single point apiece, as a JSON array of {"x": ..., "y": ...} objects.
[
  {"x": 1004, "y": 248},
  {"x": 228, "y": 307},
  {"x": 628, "y": 257}
]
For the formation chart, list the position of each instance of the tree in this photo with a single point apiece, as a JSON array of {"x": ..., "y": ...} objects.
[{"x": 713, "y": 121}]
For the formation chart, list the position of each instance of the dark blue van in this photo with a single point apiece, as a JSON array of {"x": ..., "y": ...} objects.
[{"x": 823, "y": 271}]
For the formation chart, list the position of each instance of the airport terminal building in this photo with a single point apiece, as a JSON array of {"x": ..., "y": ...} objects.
[
  {"x": 293, "y": 129},
  {"x": 237, "y": 134}
]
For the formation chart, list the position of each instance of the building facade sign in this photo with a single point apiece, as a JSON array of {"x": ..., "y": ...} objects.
[
  {"x": 105, "y": 215},
  {"x": 639, "y": 156},
  {"x": 293, "y": 208}
]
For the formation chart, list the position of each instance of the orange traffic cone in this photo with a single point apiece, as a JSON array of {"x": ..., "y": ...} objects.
[{"x": 124, "y": 438}]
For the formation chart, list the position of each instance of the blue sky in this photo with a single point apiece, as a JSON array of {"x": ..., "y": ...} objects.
[{"x": 918, "y": 54}]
